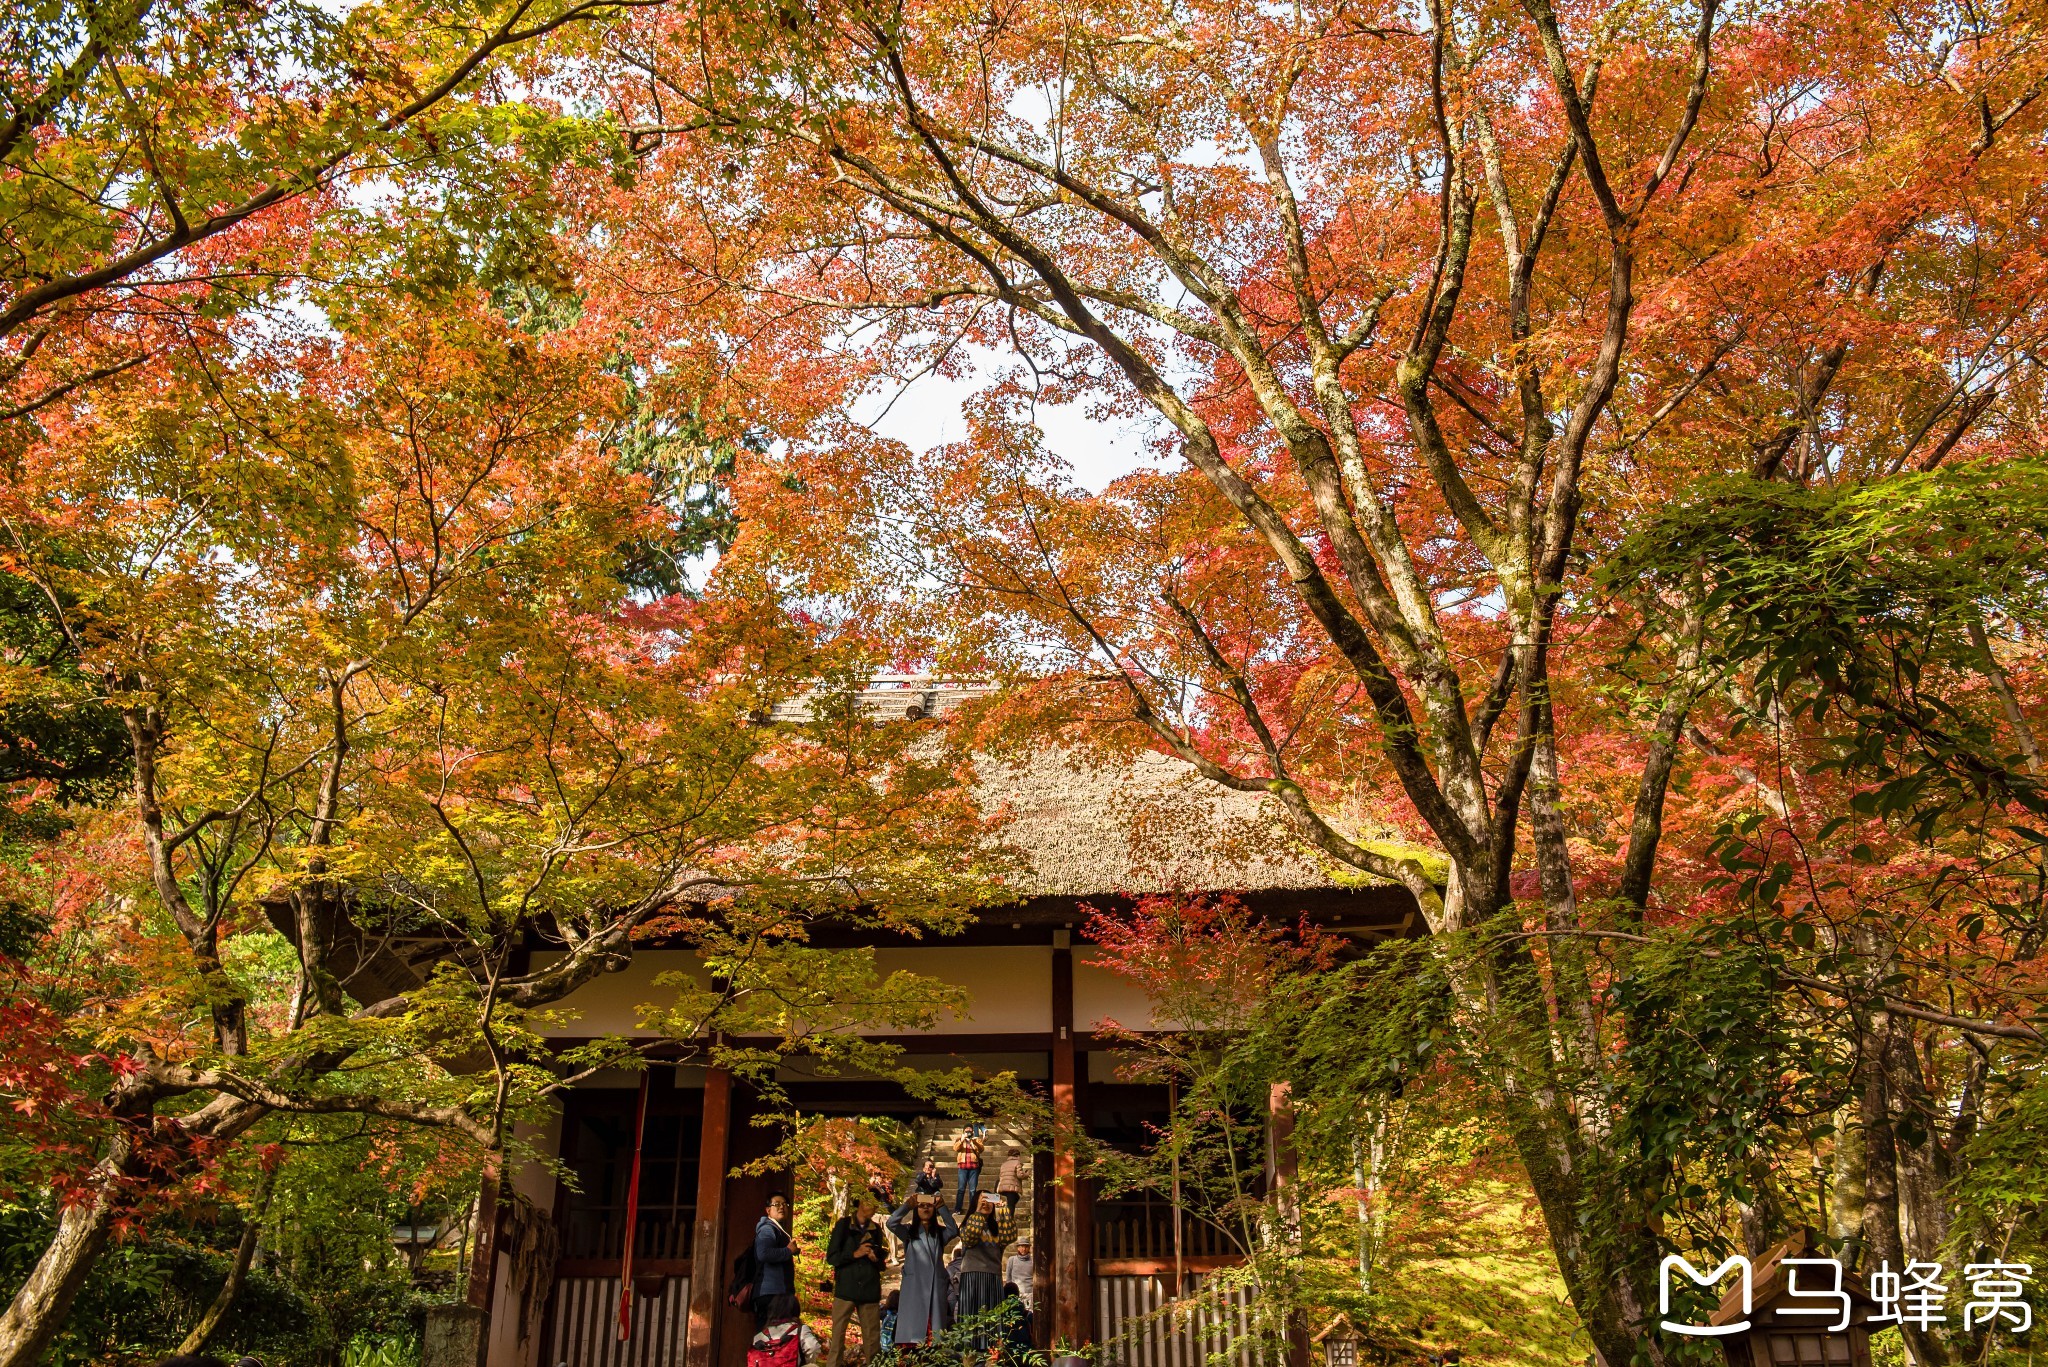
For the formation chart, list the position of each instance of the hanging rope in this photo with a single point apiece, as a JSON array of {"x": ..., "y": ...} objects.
[{"x": 632, "y": 1218}]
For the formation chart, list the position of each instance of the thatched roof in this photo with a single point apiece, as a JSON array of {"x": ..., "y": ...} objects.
[
  {"x": 1089, "y": 826},
  {"x": 1085, "y": 828},
  {"x": 1092, "y": 826}
]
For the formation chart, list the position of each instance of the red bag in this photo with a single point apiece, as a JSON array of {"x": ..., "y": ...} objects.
[{"x": 787, "y": 1351}]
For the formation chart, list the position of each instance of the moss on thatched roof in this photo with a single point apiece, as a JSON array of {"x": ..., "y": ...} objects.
[
  {"x": 1091, "y": 825},
  {"x": 1086, "y": 825}
]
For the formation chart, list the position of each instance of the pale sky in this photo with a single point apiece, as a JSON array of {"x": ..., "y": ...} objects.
[{"x": 929, "y": 414}]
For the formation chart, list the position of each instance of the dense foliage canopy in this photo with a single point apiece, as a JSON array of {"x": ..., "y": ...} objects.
[{"x": 1598, "y": 488}]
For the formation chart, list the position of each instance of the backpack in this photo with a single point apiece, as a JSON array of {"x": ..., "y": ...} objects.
[
  {"x": 787, "y": 1351},
  {"x": 746, "y": 1275}
]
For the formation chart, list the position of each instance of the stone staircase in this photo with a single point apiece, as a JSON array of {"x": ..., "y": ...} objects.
[{"x": 936, "y": 1137}]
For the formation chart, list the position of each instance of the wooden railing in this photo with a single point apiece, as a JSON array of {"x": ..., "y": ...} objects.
[
  {"x": 1142, "y": 1227},
  {"x": 663, "y": 1232}
]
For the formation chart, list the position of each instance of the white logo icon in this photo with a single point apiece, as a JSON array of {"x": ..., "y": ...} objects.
[{"x": 1704, "y": 1279}]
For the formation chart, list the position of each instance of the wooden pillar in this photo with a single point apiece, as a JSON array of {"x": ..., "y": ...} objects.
[
  {"x": 1283, "y": 1180},
  {"x": 1041, "y": 1246},
  {"x": 1071, "y": 1283},
  {"x": 707, "y": 1253}
]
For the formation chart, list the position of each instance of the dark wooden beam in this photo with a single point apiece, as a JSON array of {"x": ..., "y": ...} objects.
[
  {"x": 1042, "y": 1244},
  {"x": 1070, "y": 1280},
  {"x": 965, "y": 1045},
  {"x": 1011, "y": 1042},
  {"x": 706, "y": 1253},
  {"x": 642, "y": 1267}
]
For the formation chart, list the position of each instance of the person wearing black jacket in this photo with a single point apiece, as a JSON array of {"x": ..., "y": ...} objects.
[{"x": 856, "y": 1253}]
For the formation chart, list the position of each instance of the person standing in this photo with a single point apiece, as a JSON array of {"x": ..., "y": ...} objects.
[
  {"x": 856, "y": 1254},
  {"x": 775, "y": 1254},
  {"x": 1017, "y": 1268},
  {"x": 987, "y": 1232},
  {"x": 924, "y": 1228},
  {"x": 924, "y": 1182},
  {"x": 1010, "y": 1179},
  {"x": 967, "y": 1159}
]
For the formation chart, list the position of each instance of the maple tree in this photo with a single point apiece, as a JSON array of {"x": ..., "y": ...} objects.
[
  {"x": 165, "y": 165},
  {"x": 1433, "y": 310},
  {"x": 390, "y": 710},
  {"x": 1393, "y": 1164},
  {"x": 1604, "y": 506}
]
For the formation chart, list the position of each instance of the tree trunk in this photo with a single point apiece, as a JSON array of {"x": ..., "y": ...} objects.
[
  {"x": 1605, "y": 1249},
  {"x": 238, "y": 1272},
  {"x": 1607, "y": 1272},
  {"x": 1369, "y": 1161},
  {"x": 1883, "y": 1242},
  {"x": 1995, "y": 671},
  {"x": 1923, "y": 1162},
  {"x": 1845, "y": 1189},
  {"x": 1763, "y": 1217},
  {"x": 39, "y": 1309},
  {"x": 30, "y": 1323}
]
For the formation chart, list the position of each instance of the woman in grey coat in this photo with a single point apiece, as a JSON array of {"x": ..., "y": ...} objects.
[{"x": 925, "y": 1228}]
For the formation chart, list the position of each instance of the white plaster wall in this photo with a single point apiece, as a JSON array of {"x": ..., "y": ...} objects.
[
  {"x": 1101, "y": 995},
  {"x": 610, "y": 1003},
  {"x": 1009, "y": 989}
]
